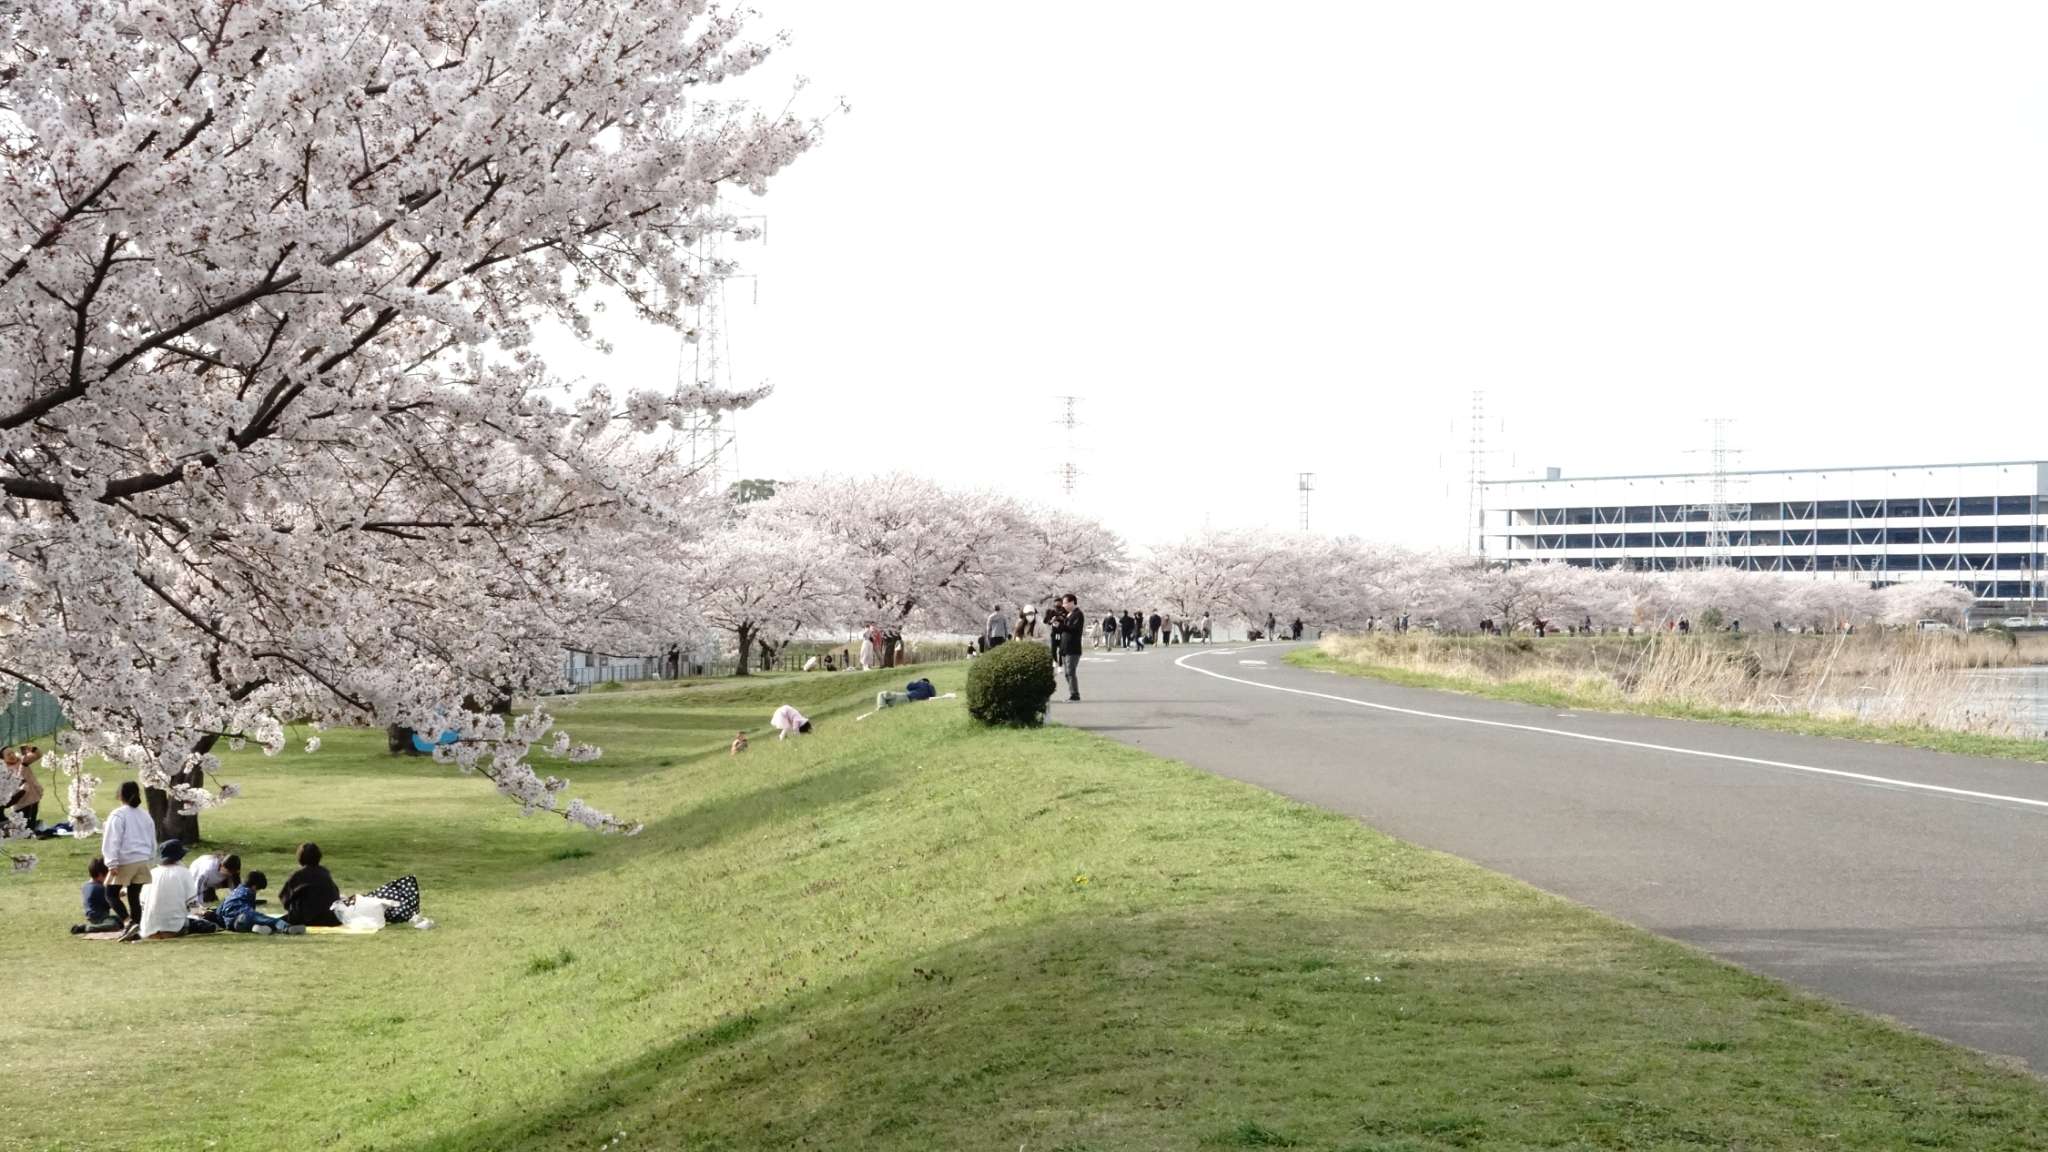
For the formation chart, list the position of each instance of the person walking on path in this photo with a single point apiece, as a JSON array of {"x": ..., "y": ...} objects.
[
  {"x": 1272, "y": 622},
  {"x": 1067, "y": 642},
  {"x": 1205, "y": 627},
  {"x": 1152, "y": 628},
  {"x": 1124, "y": 627},
  {"x": 1108, "y": 631},
  {"x": 997, "y": 629}
]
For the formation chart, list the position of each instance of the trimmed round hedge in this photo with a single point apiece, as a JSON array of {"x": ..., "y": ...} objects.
[{"x": 1011, "y": 684}]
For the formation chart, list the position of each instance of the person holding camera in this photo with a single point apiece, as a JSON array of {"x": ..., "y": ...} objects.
[
  {"x": 1069, "y": 627},
  {"x": 27, "y": 798}
]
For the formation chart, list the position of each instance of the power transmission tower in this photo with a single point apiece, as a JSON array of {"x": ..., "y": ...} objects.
[
  {"x": 1718, "y": 509},
  {"x": 1475, "y": 496},
  {"x": 706, "y": 359},
  {"x": 1306, "y": 482},
  {"x": 1068, "y": 472}
]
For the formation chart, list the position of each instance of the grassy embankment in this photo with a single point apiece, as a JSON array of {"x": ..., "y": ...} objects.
[
  {"x": 909, "y": 933},
  {"x": 1885, "y": 688}
]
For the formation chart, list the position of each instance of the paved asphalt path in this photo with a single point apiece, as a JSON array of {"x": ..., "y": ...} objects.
[{"x": 1871, "y": 886}]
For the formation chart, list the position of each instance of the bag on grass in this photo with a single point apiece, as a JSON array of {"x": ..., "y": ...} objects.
[
  {"x": 365, "y": 915},
  {"x": 403, "y": 896}
]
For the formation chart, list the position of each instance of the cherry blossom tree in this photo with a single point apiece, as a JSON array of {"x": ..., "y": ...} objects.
[
  {"x": 1218, "y": 572},
  {"x": 1905, "y": 605},
  {"x": 764, "y": 580},
  {"x": 918, "y": 552},
  {"x": 272, "y": 438}
]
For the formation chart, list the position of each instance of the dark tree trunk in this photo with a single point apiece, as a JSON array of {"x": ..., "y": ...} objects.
[
  {"x": 746, "y": 636},
  {"x": 163, "y": 811},
  {"x": 398, "y": 740}
]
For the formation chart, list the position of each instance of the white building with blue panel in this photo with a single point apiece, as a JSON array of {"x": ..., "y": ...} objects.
[{"x": 1978, "y": 525}]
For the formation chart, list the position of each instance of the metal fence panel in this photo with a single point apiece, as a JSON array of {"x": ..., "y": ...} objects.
[{"x": 30, "y": 713}]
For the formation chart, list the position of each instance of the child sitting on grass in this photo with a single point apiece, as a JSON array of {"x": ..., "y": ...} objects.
[
  {"x": 99, "y": 911},
  {"x": 238, "y": 912}
]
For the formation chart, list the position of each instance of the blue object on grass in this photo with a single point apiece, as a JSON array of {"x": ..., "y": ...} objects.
[{"x": 425, "y": 745}]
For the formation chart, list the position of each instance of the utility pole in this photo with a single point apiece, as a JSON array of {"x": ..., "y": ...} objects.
[{"x": 1306, "y": 482}]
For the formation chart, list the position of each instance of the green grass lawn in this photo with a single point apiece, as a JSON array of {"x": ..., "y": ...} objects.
[
  {"x": 912, "y": 934},
  {"x": 1551, "y": 696}
]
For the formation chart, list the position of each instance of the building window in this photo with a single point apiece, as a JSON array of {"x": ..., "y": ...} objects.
[
  {"x": 1984, "y": 534},
  {"x": 1896, "y": 508},
  {"x": 1833, "y": 509},
  {"x": 1867, "y": 509},
  {"x": 1902, "y": 535},
  {"x": 1940, "y": 507},
  {"x": 2015, "y": 505},
  {"x": 1979, "y": 505}
]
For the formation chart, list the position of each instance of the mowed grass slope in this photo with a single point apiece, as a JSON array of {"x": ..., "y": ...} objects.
[{"x": 909, "y": 933}]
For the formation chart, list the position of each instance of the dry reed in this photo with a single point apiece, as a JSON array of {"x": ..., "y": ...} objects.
[{"x": 1887, "y": 678}]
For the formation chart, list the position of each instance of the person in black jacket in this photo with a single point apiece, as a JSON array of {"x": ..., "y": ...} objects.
[
  {"x": 309, "y": 896},
  {"x": 1066, "y": 644}
]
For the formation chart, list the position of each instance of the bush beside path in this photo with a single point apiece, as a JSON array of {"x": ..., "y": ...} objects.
[{"x": 913, "y": 932}]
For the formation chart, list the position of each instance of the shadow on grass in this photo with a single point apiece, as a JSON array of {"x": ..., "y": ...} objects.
[{"x": 1233, "y": 1027}]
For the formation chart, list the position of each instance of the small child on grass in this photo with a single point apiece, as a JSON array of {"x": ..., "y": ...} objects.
[
  {"x": 238, "y": 912},
  {"x": 99, "y": 911}
]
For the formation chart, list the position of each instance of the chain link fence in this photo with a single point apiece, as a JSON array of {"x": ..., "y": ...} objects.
[{"x": 29, "y": 714}]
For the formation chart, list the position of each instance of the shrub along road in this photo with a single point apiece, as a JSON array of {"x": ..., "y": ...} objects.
[{"x": 1907, "y": 882}]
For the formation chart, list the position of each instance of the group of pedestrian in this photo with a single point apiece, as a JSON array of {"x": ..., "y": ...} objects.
[{"x": 1141, "y": 630}]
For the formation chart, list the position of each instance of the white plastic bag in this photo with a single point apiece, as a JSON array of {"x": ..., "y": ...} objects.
[{"x": 365, "y": 915}]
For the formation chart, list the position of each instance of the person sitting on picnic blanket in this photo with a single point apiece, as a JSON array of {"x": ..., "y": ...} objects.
[
  {"x": 169, "y": 900},
  {"x": 99, "y": 911},
  {"x": 238, "y": 912},
  {"x": 309, "y": 894}
]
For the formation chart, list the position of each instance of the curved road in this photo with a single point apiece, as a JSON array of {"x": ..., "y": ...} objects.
[{"x": 1909, "y": 883}]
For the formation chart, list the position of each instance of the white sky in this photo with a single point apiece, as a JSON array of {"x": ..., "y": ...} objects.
[{"x": 1284, "y": 237}]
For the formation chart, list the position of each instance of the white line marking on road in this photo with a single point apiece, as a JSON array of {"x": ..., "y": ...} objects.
[
  {"x": 1859, "y": 777},
  {"x": 1260, "y": 663}
]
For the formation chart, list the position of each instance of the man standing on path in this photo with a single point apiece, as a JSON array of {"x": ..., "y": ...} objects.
[
  {"x": 1067, "y": 642},
  {"x": 1152, "y": 628},
  {"x": 997, "y": 630}
]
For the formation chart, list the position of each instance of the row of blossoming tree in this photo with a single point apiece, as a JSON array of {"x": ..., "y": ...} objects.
[
  {"x": 274, "y": 445},
  {"x": 1347, "y": 583}
]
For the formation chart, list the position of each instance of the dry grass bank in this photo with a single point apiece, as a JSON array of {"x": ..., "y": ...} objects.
[{"x": 1905, "y": 679}]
